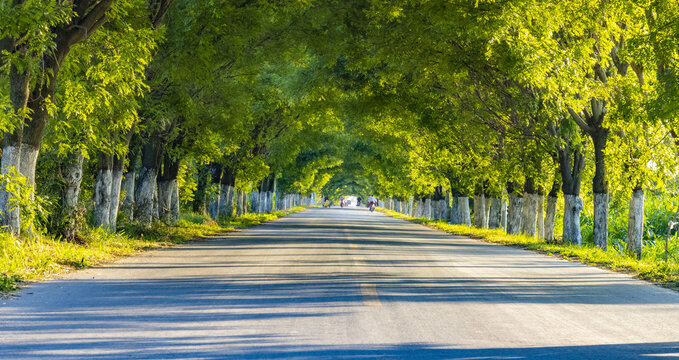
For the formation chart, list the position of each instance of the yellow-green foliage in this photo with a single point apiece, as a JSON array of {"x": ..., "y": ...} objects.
[
  {"x": 41, "y": 257},
  {"x": 648, "y": 268}
]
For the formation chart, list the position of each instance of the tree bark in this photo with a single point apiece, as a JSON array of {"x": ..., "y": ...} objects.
[
  {"x": 635, "y": 223},
  {"x": 463, "y": 211},
  {"x": 514, "y": 214},
  {"x": 227, "y": 192},
  {"x": 72, "y": 173},
  {"x": 213, "y": 199},
  {"x": 127, "y": 186},
  {"x": 102, "y": 192},
  {"x": 571, "y": 163},
  {"x": 571, "y": 219},
  {"x": 503, "y": 214},
  {"x": 529, "y": 208},
  {"x": 550, "y": 215},
  {"x": 600, "y": 189},
  {"x": 495, "y": 215},
  {"x": 199, "y": 204},
  {"x": 167, "y": 188},
  {"x": 541, "y": 217},
  {"x": 147, "y": 182},
  {"x": 116, "y": 184},
  {"x": 11, "y": 151},
  {"x": 479, "y": 210}
]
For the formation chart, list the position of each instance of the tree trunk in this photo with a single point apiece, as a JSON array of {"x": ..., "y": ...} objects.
[
  {"x": 550, "y": 215},
  {"x": 541, "y": 216},
  {"x": 514, "y": 214},
  {"x": 11, "y": 151},
  {"x": 635, "y": 223},
  {"x": 102, "y": 192},
  {"x": 167, "y": 188},
  {"x": 72, "y": 173},
  {"x": 495, "y": 215},
  {"x": 529, "y": 211},
  {"x": 600, "y": 189},
  {"x": 479, "y": 210},
  {"x": 503, "y": 214},
  {"x": 116, "y": 184},
  {"x": 127, "y": 186},
  {"x": 175, "y": 208},
  {"x": 463, "y": 211},
  {"x": 571, "y": 164},
  {"x": 254, "y": 195},
  {"x": 201, "y": 195},
  {"x": 529, "y": 208},
  {"x": 228, "y": 186},
  {"x": 147, "y": 182},
  {"x": 571, "y": 219},
  {"x": 486, "y": 214}
]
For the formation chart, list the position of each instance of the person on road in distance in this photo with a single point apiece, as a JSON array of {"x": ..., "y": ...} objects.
[
  {"x": 326, "y": 202},
  {"x": 372, "y": 201},
  {"x": 358, "y": 201},
  {"x": 341, "y": 201}
]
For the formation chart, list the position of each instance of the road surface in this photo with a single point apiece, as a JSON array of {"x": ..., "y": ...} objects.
[{"x": 341, "y": 284}]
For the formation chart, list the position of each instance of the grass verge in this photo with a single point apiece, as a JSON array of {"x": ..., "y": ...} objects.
[
  {"x": 659, "y": 272},
  {"x": 42, "y": 257}
]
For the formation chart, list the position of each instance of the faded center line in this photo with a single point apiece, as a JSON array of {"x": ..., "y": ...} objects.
[{"x": 368, "y": 291}]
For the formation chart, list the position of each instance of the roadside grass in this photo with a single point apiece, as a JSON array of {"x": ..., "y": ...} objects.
[
  {"x": 42, "y": 257},
  {"x": 648, "y": 268}
]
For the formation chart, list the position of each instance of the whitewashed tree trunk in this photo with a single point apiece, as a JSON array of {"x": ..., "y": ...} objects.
[
  {"x": 239, "y": 203},
  {"x": 19, "y": 93},
  {"x": 600, "y": 221},
  {"x": 156, "y": 206},
  {"x": 550, "y": 215},
  {"x": 165, "y": 189},
  {"x": 269, "y": 202},
  {"x": 571, "y": 219},
  {"x": 541, "y": 216},
  {"x": 503, "y": 214},
  {"x": 116, "y": 184},
  {"x": 174, "y": 209},
  {"x": 29, "y": 161},
  {"x": 495, "y": 215},
  {"x": 146, "y": 189},
  {"x": 411, "y": 204},
  {"x": 455, "y": 218},
  {"x": 254, "y": 196},
  {"x": 226, "y": 202},
  {"x": 463, "y": 211},
  {"x": 128, "y": 187},
  {"x": 635, "y": 223},
  {"x": 72, "y": 172},
  {"x": 102, "y": 198},
  {"x": 10, "y": 163},
  {"x": 529, "y": 211},
  {"x": 445, "y": 210},
  {"x": 479, "y": 211},
  {"x": 486, "y": 217},
  {"x": 514, "y": 214}
]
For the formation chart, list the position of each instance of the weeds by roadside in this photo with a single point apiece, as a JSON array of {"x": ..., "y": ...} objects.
[
  {"x": 42, "y": 257},
  {"x": 651, "y": 269}
]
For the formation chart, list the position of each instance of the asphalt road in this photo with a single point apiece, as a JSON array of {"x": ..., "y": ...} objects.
[{"x": 341, "y": 284}]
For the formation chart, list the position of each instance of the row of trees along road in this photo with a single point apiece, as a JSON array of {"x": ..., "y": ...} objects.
[{"x": 141, "y": 108}]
